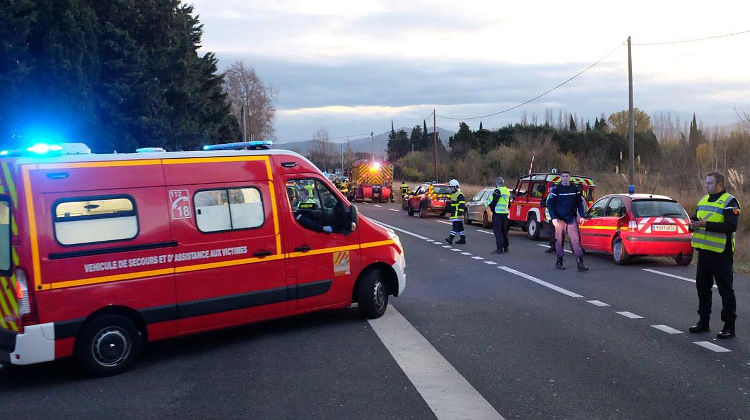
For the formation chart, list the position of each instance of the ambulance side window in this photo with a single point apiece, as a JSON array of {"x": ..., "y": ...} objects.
[
  {"x": 314, "y": 206},
  {"x": 5, "y": 236},
  {"x": 228, "y": 209},
  {"x": 88, "y": 220}
]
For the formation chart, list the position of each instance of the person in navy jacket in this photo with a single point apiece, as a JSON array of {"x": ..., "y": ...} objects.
[{"x": 565, "y": 203}]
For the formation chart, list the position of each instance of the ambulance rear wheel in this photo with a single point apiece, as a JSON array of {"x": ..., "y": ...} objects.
[
  {"x": 108, "y": 345},
  {"x": 422, "y": 211},
  {"x": 619, "y": 253},
  {"x": 372, "y": 295}
]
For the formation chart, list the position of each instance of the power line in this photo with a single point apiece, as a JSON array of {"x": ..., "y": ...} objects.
[
  {"x": 684, "y": 41},
  {"x": 590, "y": 66},
  {"x": 367, "y": 133}
]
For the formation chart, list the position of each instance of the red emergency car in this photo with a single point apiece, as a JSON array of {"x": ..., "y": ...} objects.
[
  {"x": 101, "y": 253},
  {"x": 529, "y": 197},
  {"x": 429, "y": 199},
  {"x": 625, "y": 225}
]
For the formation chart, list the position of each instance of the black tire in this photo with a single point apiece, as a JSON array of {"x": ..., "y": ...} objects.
[
  {"x": 619, "y": 253},
  {"x": 372, "y": 295},
  {"x": 409, "y": 210},
  {"x": 422, "y": 211},
  {"x": 683, "y": 259},
  {"x": 532, "y": 228},
  {"x": 108, "y": 345},
  {"x": 485, "y": 221},
  {"x": 466, "y": 218}
]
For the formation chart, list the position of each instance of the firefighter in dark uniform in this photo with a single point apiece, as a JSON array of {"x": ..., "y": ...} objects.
[
  {"x": 713, "y": 236},
  {"x": 457, "y": 209}
]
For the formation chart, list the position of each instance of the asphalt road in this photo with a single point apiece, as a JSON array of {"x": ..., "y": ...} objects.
[{"x": 505, "y": 333}]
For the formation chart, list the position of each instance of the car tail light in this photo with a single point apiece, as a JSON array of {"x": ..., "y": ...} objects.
[{"x": 26, "y": 306}]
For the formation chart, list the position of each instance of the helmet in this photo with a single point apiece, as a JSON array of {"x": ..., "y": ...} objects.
[{"x": 453, "y": 183}]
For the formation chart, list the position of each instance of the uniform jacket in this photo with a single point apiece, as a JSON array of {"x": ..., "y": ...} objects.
[
  {"x": 729, "y": 225},
  {"x": 563, "y": 202}
]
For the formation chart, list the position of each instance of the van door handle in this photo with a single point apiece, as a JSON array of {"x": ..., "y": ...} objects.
[
  {"x": 303, "y": 248},
  {"x": 262, "y": 253}
]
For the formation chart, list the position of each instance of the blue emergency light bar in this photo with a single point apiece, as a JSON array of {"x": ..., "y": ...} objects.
[
  {"x": 255, "y": 144},
  {"x": 47, "y": 149}
]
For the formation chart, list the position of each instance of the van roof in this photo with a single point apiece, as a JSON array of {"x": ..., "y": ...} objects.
[{"x": 151, "y": 155}]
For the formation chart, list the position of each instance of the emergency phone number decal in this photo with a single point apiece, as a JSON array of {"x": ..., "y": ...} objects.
[{"x": 164, "y": 259}]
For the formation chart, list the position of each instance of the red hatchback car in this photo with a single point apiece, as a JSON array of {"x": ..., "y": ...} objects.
[{"x": 625, "y": 225}]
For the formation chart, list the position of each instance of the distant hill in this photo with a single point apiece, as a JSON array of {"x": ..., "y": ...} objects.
[{"x": 378, "y": 144}]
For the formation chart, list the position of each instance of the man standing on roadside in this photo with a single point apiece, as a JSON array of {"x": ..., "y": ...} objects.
[
  {"x": 713, "y": 237},
  {"x": 498, "y": 203},
  {"x": 457, "y": 209},
  {"x": 563, "y": 202}
]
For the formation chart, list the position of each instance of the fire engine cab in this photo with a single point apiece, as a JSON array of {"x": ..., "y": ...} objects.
[
  {"x": 529, "y": 198},
  {"x": 100, "y": 253}
]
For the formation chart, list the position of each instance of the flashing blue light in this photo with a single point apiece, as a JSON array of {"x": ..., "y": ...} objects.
[
  {"x": 44, "y": 148},
  {"x": 4, "y": 153},
  {"x": 255, "y": 144}
]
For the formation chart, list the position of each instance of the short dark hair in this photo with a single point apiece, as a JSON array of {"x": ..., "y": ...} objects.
[
  {"x": 718, "y": 176},
  {"x": 565, "y": 172}
]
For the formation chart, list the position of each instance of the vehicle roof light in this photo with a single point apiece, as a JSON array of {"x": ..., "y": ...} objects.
[
  {"x": 44, "y": 148},
  {"x": 255, "y": 144},
  {"x": 149, "y": 149}
]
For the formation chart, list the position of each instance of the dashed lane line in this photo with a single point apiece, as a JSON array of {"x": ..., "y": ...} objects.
[
  {"x": 541, "y": 282},
  {"x": 393, "y": 209},
  {"x": 490, "y": 262},
  {"x": 597, "y": 303},
  {"x": 455, "y": 250},
  {"x": 448, "y": 394},
  {"x": 444, "y": 222},
  {"x": 630, "y": 315},
  {"x": 377, "y": 205},
  {"x": 671, "y": 275},
  {"x": 711, "y": 346},
  {"x": 477, "y": 258},
  {"x": 466, "y": 253},
  {"x": 667, "y": 329},
  {"x": 547, "y": 246},
  {"x": 446, "y": 246},
  {"x": 484, "y": 231}
]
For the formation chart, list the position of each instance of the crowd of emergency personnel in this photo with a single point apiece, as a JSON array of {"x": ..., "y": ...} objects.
[{"x": 713, "y": 229}]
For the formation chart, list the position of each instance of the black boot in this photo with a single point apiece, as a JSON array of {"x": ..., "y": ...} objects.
[
  {"x": 462, "y": 240},
  {"x": 550, "y": 250},
  {"x": 559, "y": 264},
  {"x": 701, "y": 326},
  {"x": 581, "y": 267},
  {"x": 449, "y": 240},
  {"x": 727, "y": 331}
]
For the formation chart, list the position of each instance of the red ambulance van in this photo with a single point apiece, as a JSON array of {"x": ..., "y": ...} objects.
[{"x": 101, "y": 253}]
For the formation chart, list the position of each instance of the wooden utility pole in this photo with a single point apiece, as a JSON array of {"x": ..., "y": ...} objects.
[
  {"x": 434, "y": 142},
  {"x": 631, "y": 125}
]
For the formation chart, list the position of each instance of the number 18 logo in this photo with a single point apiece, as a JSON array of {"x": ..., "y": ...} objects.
[{"x": 180, "y": 204}]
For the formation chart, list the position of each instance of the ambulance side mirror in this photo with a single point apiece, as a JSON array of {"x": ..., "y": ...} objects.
[{"x": 353, "y": 218}]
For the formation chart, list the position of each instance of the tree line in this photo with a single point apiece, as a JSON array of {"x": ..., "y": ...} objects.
[{"x": 115, "y": 74}]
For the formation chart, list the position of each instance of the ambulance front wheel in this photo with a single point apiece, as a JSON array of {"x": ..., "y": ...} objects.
[
  {"x": 372, "y": 295},
  {"x": 108, "y": 345}
]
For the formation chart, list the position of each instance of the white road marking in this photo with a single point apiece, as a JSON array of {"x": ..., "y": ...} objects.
[
  {"x": 671, "y": 275},
  {"x": 711, "y": 346},
  {"x": 446, "y": 246},
  {"x": 667, "y": 329},
  {"x": 490, "y": 262},
  {"x": 401, "y": 230},
  {"x": 630, "y": 315},
  {"x": 597, "y": 303},
  {"x": 455, "y": 250},
  {"x": 444, "y": 222},
  {"x": 393, "y": 209},
  {"x": 466, "y": 253},
  {"x": 448, "y": 394},
  {"x": 541, "y": 282},
  {"x": 377, "y": 205},
  {"x": 484, "y": 231},
  {"x": 477, "y": 258},
  {"x": 547, "y": 246}
]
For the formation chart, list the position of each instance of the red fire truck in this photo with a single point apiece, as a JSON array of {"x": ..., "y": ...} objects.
[
  {"x": 529, "y": 197},
  {"x": 371, "y": 180},
  {"x": 101, "y": 253}
]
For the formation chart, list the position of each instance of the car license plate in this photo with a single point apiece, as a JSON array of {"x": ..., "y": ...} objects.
[{"x": 664, "y": 228}]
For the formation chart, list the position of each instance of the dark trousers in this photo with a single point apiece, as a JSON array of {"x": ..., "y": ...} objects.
[
  {"x": 457, "y": 228},
  {"x": 500, "y": 228},
  {"x": 715, "y": 266}
]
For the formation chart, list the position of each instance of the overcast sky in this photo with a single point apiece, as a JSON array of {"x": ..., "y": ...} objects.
[{"x": 353, "y": 66}]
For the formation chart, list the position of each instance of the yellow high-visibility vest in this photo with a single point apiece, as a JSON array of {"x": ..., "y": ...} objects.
[
  {"x": 501, "y": 207},
  {"x": 712, "y": 212},
  {"x": 457, "y": 205}
]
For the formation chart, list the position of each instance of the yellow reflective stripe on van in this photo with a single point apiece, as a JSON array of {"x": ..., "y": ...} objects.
[
  {"x": 322, "y": 251},
  {"x": 107, "y": 279},
  {"x": 101, "y": 164},
  {"x": 36, "y": 265},
  {"x": 9, "y": 286}
]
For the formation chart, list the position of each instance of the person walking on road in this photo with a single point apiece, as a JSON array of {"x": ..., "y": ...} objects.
[
  {"x": 498, "y": 204},
  {"x": 713, "y": 236},
  {"x": 564, "y": 201},
  {"x": 457, "y": 209},
  {"x": 404, "y": 190}
]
